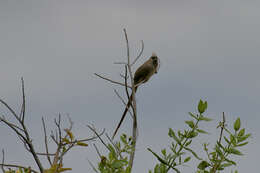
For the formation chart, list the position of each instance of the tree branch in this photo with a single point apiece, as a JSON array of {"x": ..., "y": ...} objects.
[
  {"x": 115, "y": 82},
  {"x": 134, "y": 130}
]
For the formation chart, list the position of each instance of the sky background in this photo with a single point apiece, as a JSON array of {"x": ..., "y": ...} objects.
[{"x": 208, "y": 50}]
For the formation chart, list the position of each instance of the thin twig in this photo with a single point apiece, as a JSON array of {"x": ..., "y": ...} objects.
[
  {"x": 97, "y": 151},
  {"x": 140, "y": 53},
  {"x": 115, "y": 82},
  {"x": 46, "y": 141},
  {"x": 10, "y": 109},
  {"x": 126, "y": 89},
  {"x": 120, "y": 63},
  {"x": 59, "y": 140},
  {"x": 118, "y": 95},
  {"x": 23, "y": 105},
  {"x": 45, "y": 154},
  {"x": 3, "y": 161},
  {"x": 14, "y": 129},
  {"x": 3, "y": 118},
  {"x": 93, "y": 130},
  {"x": 222, "y": 126},
  {"x": 93, "y": 167}
]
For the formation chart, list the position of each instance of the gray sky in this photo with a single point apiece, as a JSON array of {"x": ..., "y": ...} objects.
[{"x": 208, "y": 49}]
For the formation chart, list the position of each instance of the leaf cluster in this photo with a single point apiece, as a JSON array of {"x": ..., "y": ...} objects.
[{"x": 117, "y": 160}]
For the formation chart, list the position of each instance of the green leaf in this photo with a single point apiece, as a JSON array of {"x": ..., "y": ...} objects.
[
  {"x": 226, "y": 165},
  {"x": 187, "y": 159},
  {"x": 123, "y": 138},
  {"x": 157, "y": 156},
  {"x": 164, "y": 152},
  {"x": 203, "y": 164},
  {"x": 233, "y": 139},
  {"x": 82, "y": 144},
  {"x": 218, "y": 150},
  {"x": 202, "y": 106},
  {"x": 237, "y": 124},
  {"x": 230, "y": 161},
  {"x": 242, "y": 144},
  {"x": 117, "y": 164},
  {"x": 157, "y": 169},
  {"x": 226, "y": 139},
  {"x": 243, "y": 138},
  {"x": 203, "y": 118},
  {"x": 241, "y": 132},
  {"x": 188, "y": 143},
  {"x": 193, "y": 116},
  {"x": 235, "y": 151},
  {"x": 112, "y": 152},
  {"x": 202, "y": 131},
  {"x": 172, "y": 134},
  {"x": 128, "y": 169},
  {"x": 190, "y": 124},
  {"x": 192, "y": 134},
  {"x": 192, "y": 152}
]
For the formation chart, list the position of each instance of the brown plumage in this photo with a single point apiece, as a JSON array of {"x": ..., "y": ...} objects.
[{"x": 142, "y": 75}]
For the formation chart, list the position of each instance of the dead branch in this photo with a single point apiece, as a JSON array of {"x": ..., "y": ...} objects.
[
  {"x": 112, "y": 81},
  {"x": 134, "y": 130},
  {"x": 24, "y": 134},
  {"x": 46, "y": 142},
  {"x": 140, "y": 53},
  {"x": 93, "y": 130},
  {"x": 3, "y": 161}
]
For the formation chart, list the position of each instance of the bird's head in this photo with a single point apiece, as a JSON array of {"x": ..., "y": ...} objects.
[{"x": 155, "y": 61}]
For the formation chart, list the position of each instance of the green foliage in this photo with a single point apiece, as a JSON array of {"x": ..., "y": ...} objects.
[
  {"x": 180, "y": 148},
  {"x": 219, "y": 158},
  {"x": 19, "y": 170},
  {"x": 181, "y": 145},
  {"x": 117, "y": 159}
]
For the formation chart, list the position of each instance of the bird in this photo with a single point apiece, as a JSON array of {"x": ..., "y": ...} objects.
[{"x": 142, "y": 75}]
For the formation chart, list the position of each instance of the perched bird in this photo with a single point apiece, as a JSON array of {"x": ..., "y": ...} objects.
[{"x": 142, "y": 75}]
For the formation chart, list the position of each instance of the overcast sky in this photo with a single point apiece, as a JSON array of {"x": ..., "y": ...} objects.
[{"x": 208, "y": 49}]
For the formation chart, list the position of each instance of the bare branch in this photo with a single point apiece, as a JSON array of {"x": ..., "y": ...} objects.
[
  {"x": 118, "y": 95},
  {"x": 120, "y": 63},
  {"x": 222, "y": 127},
  {"x": 134, "y": 130},
  {"x": 45, "y": 154},
  {"x": 115, "y": 82},
  {"x": 53, "y": 138},
  {"x": 15, "y": 126},
  {"x": 46, "y": 141},
  {"x": 3, "y": 161},
  {"x": 140, "y": 53},
  {"x": 14, "y": 129},
  {"x": 97, "y": 151},
  {"x": 126, "y": 89},
  {"x": 93, "y": 167},
  {"x": 10, "y": 109},
  {"x": 93, "y": 130},
  {"x": 58, "y": 139},
  {"x": 22, "y": 114}
]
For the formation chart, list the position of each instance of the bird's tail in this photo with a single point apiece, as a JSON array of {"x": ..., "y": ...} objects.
[{"x": 124, "y": 114}]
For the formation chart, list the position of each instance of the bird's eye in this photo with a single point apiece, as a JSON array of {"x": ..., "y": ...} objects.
[{"x": 154, "y": 58}]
